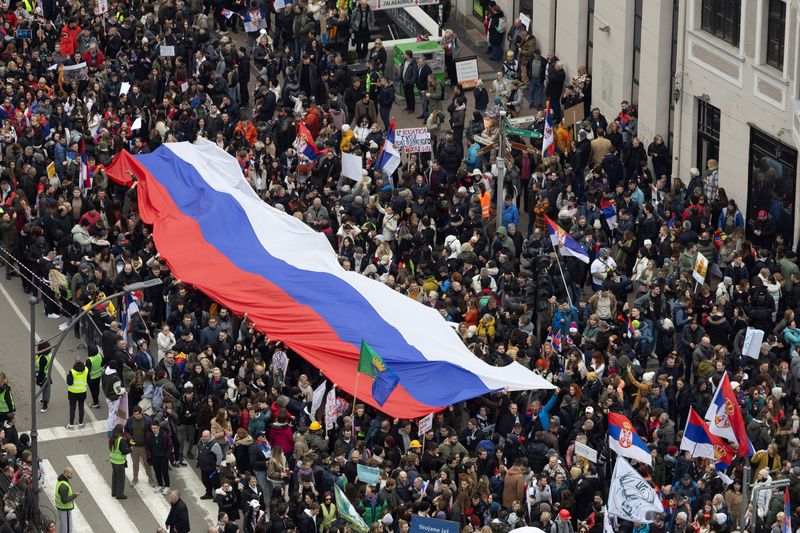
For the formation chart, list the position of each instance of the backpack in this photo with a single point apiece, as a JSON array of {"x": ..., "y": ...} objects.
[{"x": 158, "y": 397}]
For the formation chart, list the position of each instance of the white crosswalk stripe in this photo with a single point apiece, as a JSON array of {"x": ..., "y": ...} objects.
[
  {"x": 155, "y": 502},
  {"x": 79, "y": 522},
  {"x": 116, "y": 515},
  {"x": 194, "y": 488},
  {"x": 60, "y": 432}
]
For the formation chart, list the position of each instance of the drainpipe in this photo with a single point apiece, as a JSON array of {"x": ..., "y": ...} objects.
[{"x": 679, "y": 88}]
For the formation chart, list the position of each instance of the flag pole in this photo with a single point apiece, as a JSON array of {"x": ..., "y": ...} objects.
[{"x": 566, "y": 288}]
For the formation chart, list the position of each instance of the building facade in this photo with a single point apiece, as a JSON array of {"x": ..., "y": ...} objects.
[{"x": 717, "y": 79}]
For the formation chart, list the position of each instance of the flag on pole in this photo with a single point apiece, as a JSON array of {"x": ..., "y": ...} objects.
[
  {"x": 227, "y": 13},
  {"x": 548, "y": 143},
  {"x": 86, "y": 176},
  {"x": 317, "y": 397},
  {"x": 348, "y": 512},
  {"x": 725, "y": 418},
  {"x": 702, "y": 443},
  {"x": 129, "y": 308},
  {"x": 389, "y": 158},
  {"x": 555, "y": 340},
  {"x": 609, "y": 209},
  {"x": 564, "y": 241},
  {"x": 384, "y": 380},
  {"x": 786, "y": 527},
  {"x": 624, "y": 440},
  {"x": 608, "y": 526},
  {"x": 631, "y": 497},
  {"x": 305, "y": 144}
]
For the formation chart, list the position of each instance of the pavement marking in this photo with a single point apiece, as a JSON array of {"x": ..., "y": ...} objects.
[
  {"x": 193, "y": 487},
  {"x": 60, "y": 432},
  {"x": 157, "y": 503},
  {"x": 56, "y": 364},
  {"x": 79, "y": 522},
  {"x": 111, "y": 508}
]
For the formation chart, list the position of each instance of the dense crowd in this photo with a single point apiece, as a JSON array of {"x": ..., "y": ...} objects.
[{"x": 208, "y": 391}]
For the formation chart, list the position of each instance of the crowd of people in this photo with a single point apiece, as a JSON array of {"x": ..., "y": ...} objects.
[{"x": 209, "y": 392}]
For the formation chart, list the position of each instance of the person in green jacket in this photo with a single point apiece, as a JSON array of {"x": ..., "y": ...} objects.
[{"x": 373, "y": 504}]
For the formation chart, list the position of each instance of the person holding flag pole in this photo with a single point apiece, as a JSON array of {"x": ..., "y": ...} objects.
[{"x": 567, "y": 246}]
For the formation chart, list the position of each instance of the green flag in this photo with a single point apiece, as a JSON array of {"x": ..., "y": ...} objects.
[
  {"x": 348, "y": 512},
  {"x": 366, "y": 357}
]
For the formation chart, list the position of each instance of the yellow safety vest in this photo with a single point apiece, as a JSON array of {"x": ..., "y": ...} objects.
[
  {"x": 29, "y": 6},
  {"x": 4, "y": 406},
  {"x": 114, "y": 455},
  {"x": 78, "y": 381},
  {"x": 97, "y": 366},
  {"x": 61, "y": 505},
  {"x": 47, "y": 357}
]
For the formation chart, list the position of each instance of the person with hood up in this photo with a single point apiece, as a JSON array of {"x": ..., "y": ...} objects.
[
  {"x": 77, "y": 386},
  {"x": 504, "y": 242}
]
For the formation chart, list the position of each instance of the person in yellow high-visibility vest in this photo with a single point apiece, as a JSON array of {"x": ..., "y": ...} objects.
[
  {"x": 65, "y": 500},
  {"x": 118, "y": 448},
  {"x": 77, "y": 386}
]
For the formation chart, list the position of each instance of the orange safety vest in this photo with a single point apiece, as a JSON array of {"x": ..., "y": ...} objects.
[{"x": 486, "y": 204}]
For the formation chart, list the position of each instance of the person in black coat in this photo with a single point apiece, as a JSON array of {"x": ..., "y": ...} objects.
[
  {"x": 244, "y": 76},
  {"x": 385, "y": 101},
  {"x": 178, "y": 517},
  {"x": 310, "y": 520}
]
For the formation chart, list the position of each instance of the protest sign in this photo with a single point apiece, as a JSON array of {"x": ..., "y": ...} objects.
[
  {"x": 413, "y": 140},
  {"x": 752, "y": 343},
  {"x": 351, "y": 166},
  {"x": 421, "y": 524},
  {"x": 368, "y": 474},
  {"x": 167, "y": 51},
  {"x": 700, "y": 268},
  {"x": 586, "y": 451}
]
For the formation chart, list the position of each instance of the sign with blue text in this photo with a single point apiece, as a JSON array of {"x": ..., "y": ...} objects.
[{"x": 420, "y": 524}]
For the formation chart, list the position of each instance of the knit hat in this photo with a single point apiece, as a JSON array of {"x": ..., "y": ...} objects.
[{"x": 573, "y": 327}]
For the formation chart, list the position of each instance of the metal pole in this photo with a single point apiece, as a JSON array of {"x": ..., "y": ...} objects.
[
  {"x": 33, "y": 300},
  {"x": 745, "y": 492},
  {"x": 566, "y": 288},
  {"x": 501, "y": 171},
  {"x": 441, "y": 16}
]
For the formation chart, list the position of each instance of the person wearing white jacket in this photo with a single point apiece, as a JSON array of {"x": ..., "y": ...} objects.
[{"x": 165, "y": 340}]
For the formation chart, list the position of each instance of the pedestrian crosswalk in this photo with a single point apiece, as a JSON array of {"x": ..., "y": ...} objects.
[
  {"x": 50, "y": 476},
  {"x": 60, "y": 432},
  {"x": 96, "y": 501},
  {"x": 100, "y": 491}
]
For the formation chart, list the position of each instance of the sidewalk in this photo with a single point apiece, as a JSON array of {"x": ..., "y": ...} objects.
[{"x": 473, "y": 42}]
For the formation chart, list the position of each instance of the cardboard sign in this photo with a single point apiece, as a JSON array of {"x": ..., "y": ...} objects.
[
  {"x": 586, "y": 452},
  {"x": 700, "y": 268},
  {"x": 752, "y": 343},
  {"x": 467, "y": 71},
  {"x": 51, "y": 169},
  {"x": 368, "y": 474},
  {"x": 425, "y": 424},
  {"x": 101, "y": 7},
  {"x": 351, "y": 167},
  {"x": 167, "y": 51},
  {"x": 413, "y": 140}
]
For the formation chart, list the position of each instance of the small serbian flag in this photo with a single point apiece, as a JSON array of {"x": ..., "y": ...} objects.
[
  {"x": 624, "y": 440},
  {"x": 702, "y": 443},
  {"x": 724, "y": 417},
  {"x": 305, "y": 144},
  {"x": 227, "y": 13},
  {"x": 564, "y": 241},
  {"x": 630, "y": 327},
  {"x": 786, "y": 527}
]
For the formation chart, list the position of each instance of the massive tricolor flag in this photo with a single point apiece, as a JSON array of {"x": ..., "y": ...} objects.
[
  {"x": 218, "y": 235},
  {"x": 389, "y": 158},
  {"x": 564, "y": 241},
  {"x": 725, "y": 418},
  {"x": 548, "y": 142}
]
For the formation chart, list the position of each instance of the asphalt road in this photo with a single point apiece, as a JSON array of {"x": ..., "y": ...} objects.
[{"x": 86, "y": 449}]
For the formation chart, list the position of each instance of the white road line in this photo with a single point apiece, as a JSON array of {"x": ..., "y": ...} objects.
[
  {"x": 56, "y": 364},
  {"x": 79, "y": 522},
  {"x": 194, "y": 488},
  {"x": 60, "y": 432},
  {"x": 116, "y": 515},
  {"x": 157, "y": 503}
]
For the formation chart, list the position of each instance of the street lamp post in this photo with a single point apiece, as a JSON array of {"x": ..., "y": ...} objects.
[
  {"x": 501, "y": 172},
  {"x": 59, "y": 338}
]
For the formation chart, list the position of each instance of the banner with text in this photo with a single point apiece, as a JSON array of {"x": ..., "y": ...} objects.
[{"x": 413, "y": 139}]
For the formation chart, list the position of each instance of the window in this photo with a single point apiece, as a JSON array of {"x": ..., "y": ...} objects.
[
  {"x": 721, "y": 18},
  {"x": 637, "y": 50},
  {"x": 771, "y": 182},
  {"x": 708, "y": 128},
  {"x": 776, "y": 27}
]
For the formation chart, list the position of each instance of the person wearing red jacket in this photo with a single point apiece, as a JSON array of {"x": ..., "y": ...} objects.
[
  {"x": 71, "y": 31},
  {"x": 93, "y": 57}
]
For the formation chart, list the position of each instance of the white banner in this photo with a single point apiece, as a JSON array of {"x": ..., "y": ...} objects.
[
  {"x": 330, "y": 410},
  {"x": 317, "y": 397},
  {"x": 413, "y": 139},
  {"x": 631, "y": 497},
  {"x": 377, "y": 5}
]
